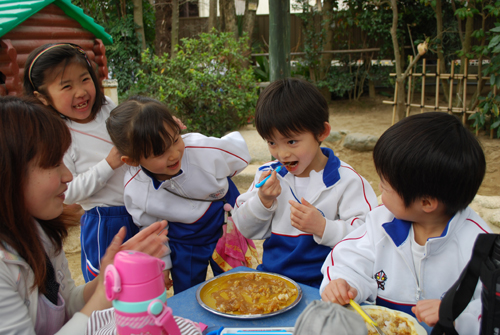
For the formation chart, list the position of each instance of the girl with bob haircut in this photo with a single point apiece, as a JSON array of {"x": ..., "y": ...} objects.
[
  {"x": 184, "y": 179},
  {"x": 37, "y": 294}
]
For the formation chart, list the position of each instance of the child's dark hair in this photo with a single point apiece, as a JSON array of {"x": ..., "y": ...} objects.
[
  {"x": 29, "y": 132},
  {"x": 45, "y": 58},
  {"x": 290, "y": 106},
  {"x": 431, "y": 154},
  {"x": 137, "y": 127}
]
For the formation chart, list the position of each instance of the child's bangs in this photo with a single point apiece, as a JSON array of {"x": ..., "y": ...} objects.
[{"x": 153, "y": 138}]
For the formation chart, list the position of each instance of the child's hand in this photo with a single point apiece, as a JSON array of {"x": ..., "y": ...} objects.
[
  {"x": 166, "y": 277},
  {"x": 427, "y": 311},
  {"x": 151, "y": 240},
  {"x": 270, "y": 190},
  {"x": 339, "y": 292},
  {"x": 307, "y": 218},
  {"x": 114, "y": 158}
]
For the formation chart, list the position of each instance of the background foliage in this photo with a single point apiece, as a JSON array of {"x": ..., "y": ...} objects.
[{"x": 205, "y": 83}]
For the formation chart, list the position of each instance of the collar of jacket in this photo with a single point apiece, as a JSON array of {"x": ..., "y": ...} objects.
[{"x": 331, "y": 174}]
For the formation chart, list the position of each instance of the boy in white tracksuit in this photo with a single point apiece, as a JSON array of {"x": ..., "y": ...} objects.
[
  {"x": 412, "y": 249},
  {"x": 315, "y": 200}
]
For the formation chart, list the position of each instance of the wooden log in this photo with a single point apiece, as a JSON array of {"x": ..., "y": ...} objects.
[
  {"x": 395, "y": 103},
  {"x": 422, "y": 95},
  {"x": 450, "y": 103},
  {"x": 436, "y": 104},
  {"x": 464, "y": 97},
  {"x": 408, "y": 104}
]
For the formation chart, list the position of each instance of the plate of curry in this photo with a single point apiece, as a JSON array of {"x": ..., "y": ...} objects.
[{"x": 249, "y": 294}]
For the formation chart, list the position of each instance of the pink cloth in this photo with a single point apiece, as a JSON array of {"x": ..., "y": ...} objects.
[{"x": 233, "y": 249}]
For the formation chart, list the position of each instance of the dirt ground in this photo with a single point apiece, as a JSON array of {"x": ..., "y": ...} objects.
[{"x": 368, "y": 116}]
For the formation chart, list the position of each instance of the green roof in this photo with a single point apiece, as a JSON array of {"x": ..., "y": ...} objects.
[{"x": 13, "y": 13}]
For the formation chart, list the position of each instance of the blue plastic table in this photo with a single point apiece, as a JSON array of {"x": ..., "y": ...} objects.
[{"x": 185, "y": 305}]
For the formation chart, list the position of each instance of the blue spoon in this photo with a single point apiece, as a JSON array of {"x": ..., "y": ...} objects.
[{"x": 265, "y": 179}]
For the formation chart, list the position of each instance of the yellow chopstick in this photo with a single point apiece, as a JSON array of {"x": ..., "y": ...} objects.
[{"x": 360, "y": 310}]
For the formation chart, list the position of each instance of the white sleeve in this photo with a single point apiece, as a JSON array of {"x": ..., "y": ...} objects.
[
  {"x": 251, "y": 217},
  {"x": 14, "y": 313},
  {"x": 229, "y": 156},
  {"x": 357, "y": 248},
  {"x": 72, "y": 294},
  {"x": 143, "y": 220},
  {"x": 358, "y": 198},
  {"x": 85, "y": 184},
  {"x": 77, "y": 325}
]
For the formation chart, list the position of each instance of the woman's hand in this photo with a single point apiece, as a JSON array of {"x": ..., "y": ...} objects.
[{"x": 150, "y": 240}]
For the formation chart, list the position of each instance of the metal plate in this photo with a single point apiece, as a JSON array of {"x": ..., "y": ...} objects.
[{"x": 206, "y": 286}]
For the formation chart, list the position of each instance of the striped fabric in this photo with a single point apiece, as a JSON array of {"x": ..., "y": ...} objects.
[{"x": 103, "y": 323}]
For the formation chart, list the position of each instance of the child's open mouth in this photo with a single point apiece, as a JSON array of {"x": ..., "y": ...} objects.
[
  {"x": 290, "y": 165},
  {"x": 82, "y": 105}
]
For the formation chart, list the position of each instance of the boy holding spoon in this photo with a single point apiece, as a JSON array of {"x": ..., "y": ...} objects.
[{"x": 315, "y": 200}]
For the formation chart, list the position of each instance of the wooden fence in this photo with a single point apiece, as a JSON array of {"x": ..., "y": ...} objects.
[{"x": 451, "y": 77}]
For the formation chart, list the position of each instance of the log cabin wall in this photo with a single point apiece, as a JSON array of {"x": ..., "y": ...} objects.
[{"x": 49, "y": 25}]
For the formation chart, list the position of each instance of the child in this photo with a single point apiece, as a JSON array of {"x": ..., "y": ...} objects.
[
  {"x": 412, "y": 249},
  {"x": 37, "y": 294},
  {"x": 60, "y": 76},
  {"x": 292, "y": 116},
  {"x": 183, "y": 179}
]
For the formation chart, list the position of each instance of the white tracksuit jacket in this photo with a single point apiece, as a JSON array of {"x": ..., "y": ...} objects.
[
  {"x": 377, "y": 260},
  {"x": 338, "y": 192},
  {"x": 206, "y": 165}
]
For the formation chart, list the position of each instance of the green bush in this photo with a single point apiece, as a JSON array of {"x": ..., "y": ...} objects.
[
  {"x": 489, "y": 106},
  {"x": 205, "y": 84}
]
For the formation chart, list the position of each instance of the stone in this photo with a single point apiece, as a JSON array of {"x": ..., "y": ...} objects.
[
  {"x": 494, "y": 218},
  {"x": 360, "y": 142},
  {"x": 333, "y": 137},
  {"x": 491, "y": 202}
]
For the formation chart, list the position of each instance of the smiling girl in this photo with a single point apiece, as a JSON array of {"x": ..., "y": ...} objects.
[{"x": 61, "y": 77}]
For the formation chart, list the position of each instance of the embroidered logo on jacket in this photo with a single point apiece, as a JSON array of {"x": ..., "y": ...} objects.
[{"x": 381, "y": 278}]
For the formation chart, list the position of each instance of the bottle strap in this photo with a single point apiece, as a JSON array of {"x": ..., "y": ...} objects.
[{"x": 460, "y": 294}]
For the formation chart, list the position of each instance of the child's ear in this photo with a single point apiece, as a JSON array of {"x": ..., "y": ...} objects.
[
  {"x": 41, "y": 97},
  {"x": 129, "y": 161},
  {"x": 429, "y": 204},
  {"x": 325, "y": 133}
]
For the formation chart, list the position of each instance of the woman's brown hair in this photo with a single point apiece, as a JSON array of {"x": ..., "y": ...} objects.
[{"x": 28, "y": 132}]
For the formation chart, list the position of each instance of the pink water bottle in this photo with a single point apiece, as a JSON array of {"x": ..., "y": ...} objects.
[{"x": 135, "y": 285}]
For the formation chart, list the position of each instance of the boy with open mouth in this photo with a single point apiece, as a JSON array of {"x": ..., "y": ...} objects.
[{"x": 314, "y": 200}]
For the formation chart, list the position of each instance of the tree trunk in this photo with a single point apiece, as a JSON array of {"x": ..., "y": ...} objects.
[
  {"x": 400, "y": 79},
  {"x": 326, "y": 59},
  {"x": 459, "y": 20},
  {"x": 139, "y": 23},
  {"x": 212, "y": 16},
  {"x": 123, "y": 7},
  {"x": 175, "y": 26},
  {"x": 279, "y": 39},
  {"x": 442, "y": 62},
  {"x": 249, "y": 19},
  {"x": 480, "y": 82},
  {"x": 466, "y": 49},
  {"x": 229, "y": 10},
  {"x": 163, "y": 28}
]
